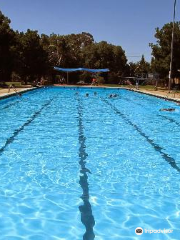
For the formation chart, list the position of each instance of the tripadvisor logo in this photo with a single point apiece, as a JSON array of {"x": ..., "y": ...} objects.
[{"x": 139, "y": 231}]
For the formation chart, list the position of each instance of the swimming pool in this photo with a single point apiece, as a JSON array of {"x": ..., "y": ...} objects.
[{"x": 88, "y": 167}]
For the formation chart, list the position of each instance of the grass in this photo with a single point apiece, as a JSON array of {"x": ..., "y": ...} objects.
[
  {"x": 141, "y": 87},
  {"x": 16, "y": 84},
  {"x": 145, "y": 87}
]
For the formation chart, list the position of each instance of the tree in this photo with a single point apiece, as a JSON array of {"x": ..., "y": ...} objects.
[
  {"x": 66, "y": 51},
  {"x": 6, "y": 43},
  {"x": 76, "y": 44},
  {"x": 142, "y": 68},
  {"x": 162, "y": 49},
  {"x": 98, "y": 55},
  {"x": 33, "y": 58},
  {"x": 105, "y": 55},
  {"x": 131, "y": 69},
  {"x": 30, "y": 56}
]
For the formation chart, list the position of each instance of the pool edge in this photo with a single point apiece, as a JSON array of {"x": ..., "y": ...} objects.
[
  {"x": 154, "y": 95},
  {"x": 8, "y": 95}
]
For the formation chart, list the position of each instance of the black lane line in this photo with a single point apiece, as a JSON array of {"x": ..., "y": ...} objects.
[
  {"x": 131, "y": 101},
  {"x": 170, "y": 120},
  {"x": 159, "y": 149},
  {"x": 10, "y": 105},
  {"x": 87, "y": 217},
  {"x": 165, "y": 117},
  {"x": 17, "y": 131}
]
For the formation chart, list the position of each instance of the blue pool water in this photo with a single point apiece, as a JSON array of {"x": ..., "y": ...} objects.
[{"x": 77, "y": 167}]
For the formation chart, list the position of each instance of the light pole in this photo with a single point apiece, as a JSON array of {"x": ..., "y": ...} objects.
[{"x": 172, "y": 45}]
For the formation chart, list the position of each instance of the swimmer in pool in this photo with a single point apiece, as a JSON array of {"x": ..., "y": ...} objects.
[{"x": 167, "y": 109}]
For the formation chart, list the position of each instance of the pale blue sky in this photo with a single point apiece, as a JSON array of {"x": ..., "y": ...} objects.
[{"x": 128, "y": 23}]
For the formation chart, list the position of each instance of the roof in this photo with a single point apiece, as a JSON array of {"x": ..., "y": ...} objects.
[{"x": 80, "y": 69}]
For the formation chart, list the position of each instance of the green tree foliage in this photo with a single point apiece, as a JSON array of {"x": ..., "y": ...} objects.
[
  {"x": 57, "y": 50},
  {"x": 138, "y": 69},
  {"x": 142, "y": 68},
  {"x": 66, "y": 51},
  {"x": 32, "y": 60},
  {"x": 105, "y": 55},
  {"x": 76, "y": 43},
  {"x": 162, "y": 49},
  {"x": 6, "y": 44},
  {"x": 31, "y": 56},
  {"x": 130, "y": 69}
]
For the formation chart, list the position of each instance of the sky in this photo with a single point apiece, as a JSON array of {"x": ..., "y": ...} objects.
[{"x": 130, "y": 24}]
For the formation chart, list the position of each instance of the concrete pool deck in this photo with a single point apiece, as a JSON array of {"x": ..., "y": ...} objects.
[{"x": 5, "y": 92}]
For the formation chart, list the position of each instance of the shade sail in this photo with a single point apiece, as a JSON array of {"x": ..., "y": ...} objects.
[{"x": 81, "y": 69}]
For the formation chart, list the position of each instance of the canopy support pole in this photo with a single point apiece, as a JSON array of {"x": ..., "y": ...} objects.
[{"x": 67, "y": 78}]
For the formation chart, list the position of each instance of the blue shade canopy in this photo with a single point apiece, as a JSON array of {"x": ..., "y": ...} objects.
[{"x": 81, "y": 69}]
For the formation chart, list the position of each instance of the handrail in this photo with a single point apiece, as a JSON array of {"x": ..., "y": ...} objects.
[{"x": 15, "y": 90}]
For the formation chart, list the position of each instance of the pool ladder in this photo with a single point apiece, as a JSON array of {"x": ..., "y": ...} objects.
[{"x": 15, "y": 90}]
